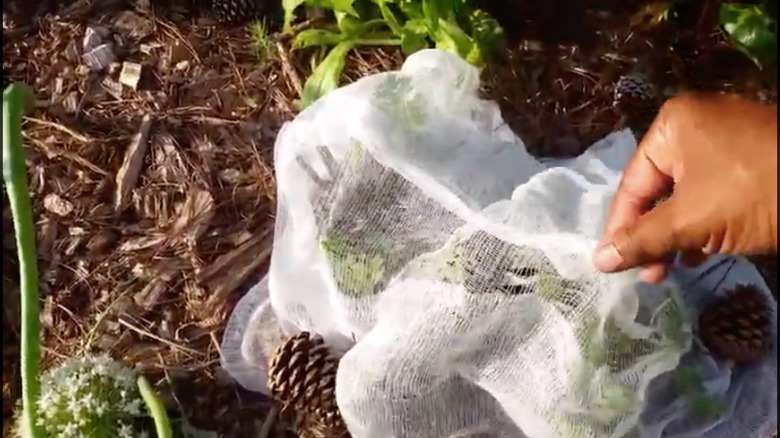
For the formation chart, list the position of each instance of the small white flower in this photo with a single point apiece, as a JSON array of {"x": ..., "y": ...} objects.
[
  {"x": 100, "y": 409},
  {"x": 100, "y": 369},
  {"x": 88, "y": 401},
  {"x": 83, "y": 393},
  {"x": 125, "y": 431},
  {"x": 133, "y": 408},
  {"x": 70, "y": 429}
]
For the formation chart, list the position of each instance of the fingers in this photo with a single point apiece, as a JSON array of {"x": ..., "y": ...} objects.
[
  {"x": 650, "y": 240},
  {"x": 649, "y": 174},
  {"x": 654, "y": 273}
]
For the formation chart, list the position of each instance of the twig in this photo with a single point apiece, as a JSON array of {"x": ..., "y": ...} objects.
[
  {"x": 206, "y": 120},
  {"x": 178, "y": 35},
  {"x": 288, "y": 69},
  {"x": 268, "y": 423},
  {"x": 59, "y": 127},
  {"x": 296, "y": 28},
  {"x": 50, "y": 150},
  {"x": 171, "y": 344}
]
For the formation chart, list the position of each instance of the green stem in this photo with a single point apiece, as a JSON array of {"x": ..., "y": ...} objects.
[
  {"x": 378, "y": 42},
  {"x": 156, "y": 408},
  {"x": 389, "y": 17},
  {"x": 16, "y": 101}
]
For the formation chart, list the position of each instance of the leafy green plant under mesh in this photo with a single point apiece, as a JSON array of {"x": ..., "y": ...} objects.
[
  {"x": 356, "y": 273},
  {"x": 701, "y": 404},
  {"x": 609, "y": 352}
]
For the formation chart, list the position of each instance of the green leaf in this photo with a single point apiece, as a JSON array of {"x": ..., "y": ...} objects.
[
  {"x": 486, "y": 31},
  {"x": 389, "y": 16},
  {"x": 417, "y": 26},
  {"x": 325, "y": 77},
  {"x": 346, "y": 6},
  {"x": 704, "y": 406},
  {"x": 412, "y": 9},
  {"x": 414, "y": 36},
  {"x": 289, "y": 7},
  {"x": 317, "y": 37},
  {"x": 749, "y": 28},
  {"x": 412, "y": 42},
  {"x": 616, "y": 398},
  {"x": 433, "y": 14},
  {"x": 349, "y": 24},
  {"x": 688, "y": 380},
  {"x": 355, "y": 272},
  {"x": 354, "y": 27},
  {"x": 452, "y": 38}
]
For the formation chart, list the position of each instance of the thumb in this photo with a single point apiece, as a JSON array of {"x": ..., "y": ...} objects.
[{"x": 652, "y": 238}]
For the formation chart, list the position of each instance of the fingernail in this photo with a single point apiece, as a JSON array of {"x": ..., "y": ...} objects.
[{"x": 607, "y": 258}]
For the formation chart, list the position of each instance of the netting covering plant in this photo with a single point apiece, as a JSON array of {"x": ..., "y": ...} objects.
[{"x": 452, "y": 271}]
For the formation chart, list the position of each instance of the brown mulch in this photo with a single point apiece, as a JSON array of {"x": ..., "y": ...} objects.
[{"x": 145, "y": 246}]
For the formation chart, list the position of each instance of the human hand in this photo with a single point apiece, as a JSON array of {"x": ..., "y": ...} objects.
[{"x": 718, "y": 153}]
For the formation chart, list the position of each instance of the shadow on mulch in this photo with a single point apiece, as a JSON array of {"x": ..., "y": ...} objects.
[{"x": 556, "y": 85}]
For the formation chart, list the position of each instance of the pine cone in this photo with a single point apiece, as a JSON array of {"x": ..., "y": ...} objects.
[
  {"x": 302, "y": 378},
  {"x": 634, "y": 98},
  {"x": 737, "y": 326},
  {"x": 235, "y": 11}
]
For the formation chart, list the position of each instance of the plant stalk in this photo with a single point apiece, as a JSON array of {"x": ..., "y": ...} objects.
[
  {"x": 156, "y": 408},
  {"x": 17, "y": 99}
]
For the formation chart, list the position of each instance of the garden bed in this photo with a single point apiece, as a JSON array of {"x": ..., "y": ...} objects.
[{"x": 144, "y": 247}]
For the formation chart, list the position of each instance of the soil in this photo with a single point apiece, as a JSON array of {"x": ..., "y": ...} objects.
[{"x": 145, "y": 261}]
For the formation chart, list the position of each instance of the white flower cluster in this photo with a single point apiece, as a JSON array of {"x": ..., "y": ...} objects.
[{"x": 90, "y": 397}]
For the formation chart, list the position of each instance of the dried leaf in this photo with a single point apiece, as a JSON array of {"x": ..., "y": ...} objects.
[
  {"x": 196, "y": 215},
  {"x": 143, "y": 242}
]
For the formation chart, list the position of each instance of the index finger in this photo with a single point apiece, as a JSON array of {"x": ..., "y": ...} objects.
[{"x": 648, "y": 176}]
